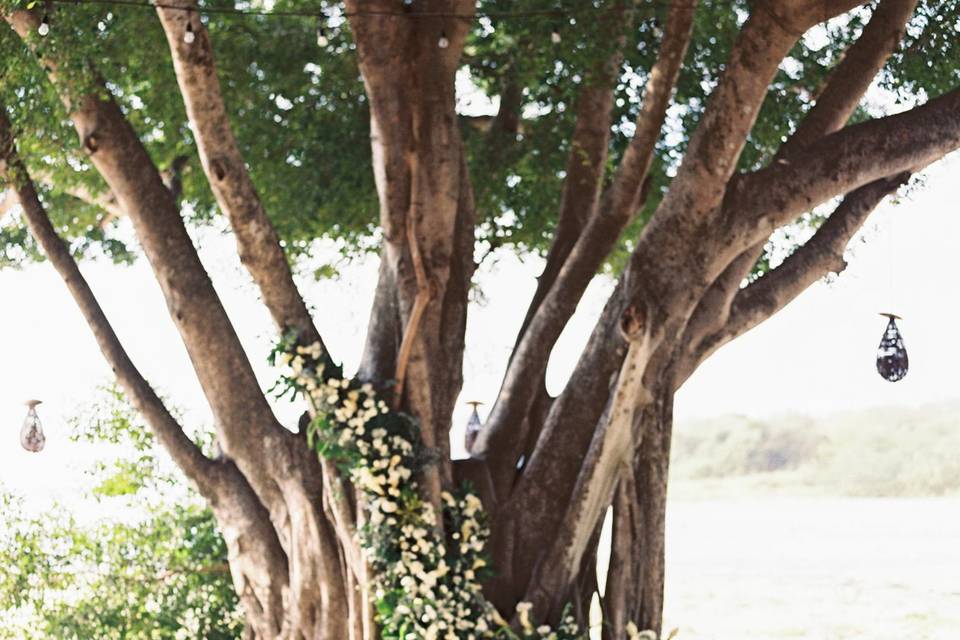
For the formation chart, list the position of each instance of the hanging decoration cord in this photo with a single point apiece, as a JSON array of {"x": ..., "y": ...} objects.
[{"x": 306, "y": 13}]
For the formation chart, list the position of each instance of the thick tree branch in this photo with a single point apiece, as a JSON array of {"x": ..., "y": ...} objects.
[
  {"x": 704, "y": 175},
  {"x": 853, "y": 76},
  {"x": 257, "y": 241},
  {"x": 584, "y": 173},
  {"x": 612, "y": 448},
  {"x": 578, "y": 202},
  {"x": 529, "y": 518},
  {"x": 760, "y": 202},
  {"x": 507, "y": 122},
  {"x": 624, "y": 196},
  {"x": 843, "y": 92},
  {"x": 258, "y": 565},
  {"x": 412, "y": 110},
  {"x": 424, "y": 288},
  {"x": 713, "y": 309},
  {"x": 184, "y": 452},
  {"x": 668, "y": 273},
  {"x": 383, "y": 330},
  {"x": 819, "y": 256},
  {"x": 575, "y": 266},
  {"x": 246, "y": 424}
]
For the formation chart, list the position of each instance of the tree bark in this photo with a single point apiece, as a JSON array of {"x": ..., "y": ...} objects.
[
  {"x": 282, "y": 472},
  {"x": 426, "y": 211}
]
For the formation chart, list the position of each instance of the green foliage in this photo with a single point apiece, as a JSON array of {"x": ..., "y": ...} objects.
[
  {"x": 301, "y": 115},
  {"x": 156, "y": 570}
]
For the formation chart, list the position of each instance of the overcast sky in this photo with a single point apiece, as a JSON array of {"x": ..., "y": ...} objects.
[{"x": 815, "y": 357}]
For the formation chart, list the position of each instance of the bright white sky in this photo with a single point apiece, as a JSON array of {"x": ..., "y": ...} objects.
[{"x": 815, "y": 357}]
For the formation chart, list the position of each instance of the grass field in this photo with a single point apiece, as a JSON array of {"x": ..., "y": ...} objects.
[
  {"x": 814, "y": 568},
  {"x": 847, "y": 527}
]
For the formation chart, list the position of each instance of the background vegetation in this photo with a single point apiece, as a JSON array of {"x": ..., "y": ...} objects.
[
  {"x": 148, "y": 565},
  {"x": 892, "y": 452}
]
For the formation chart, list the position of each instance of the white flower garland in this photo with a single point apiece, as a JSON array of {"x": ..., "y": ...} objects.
[{"x": 426, "y": 588}]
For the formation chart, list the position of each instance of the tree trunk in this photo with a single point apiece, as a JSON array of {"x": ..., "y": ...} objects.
[
  {"x": 426, "y": 211},
  {"x": 634, "y": 591}
]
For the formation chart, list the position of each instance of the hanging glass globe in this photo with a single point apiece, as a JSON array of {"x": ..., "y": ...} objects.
[
  {"x": 31, "y": 435},
  {"x": 473, "y": 425},
  {"x": 892, "y": 361}
]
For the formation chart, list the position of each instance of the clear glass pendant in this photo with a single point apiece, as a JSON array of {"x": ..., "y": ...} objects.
[
  {"x": 892, "y": 360},
  {"x": 473, "y": 425},
  {"x": 31, "y": 435}
]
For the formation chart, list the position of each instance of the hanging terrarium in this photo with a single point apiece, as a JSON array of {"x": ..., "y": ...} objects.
[
  {"x": 892, "y": 361},
  {"x": 31, "y": 435},
  {"x": 473, "y": 425}
]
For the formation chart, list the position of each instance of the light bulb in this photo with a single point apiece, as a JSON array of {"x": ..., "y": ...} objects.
[
  {"x": 443, "y": 42},
  {"x": 555, "y": 37},
  {"x": 31, "y": 435},
  {"x": 44, "y": 27},
  {"x": 473, "y": 425},
  {"x": 892, "y": 360},
  {"x": 189, "y": 36}
]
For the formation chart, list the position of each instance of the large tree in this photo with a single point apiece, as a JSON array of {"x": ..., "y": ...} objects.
[{"x": 662, "y": 142}]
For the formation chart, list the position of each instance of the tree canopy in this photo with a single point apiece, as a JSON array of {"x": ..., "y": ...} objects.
[{"x": 300, "y": 112}]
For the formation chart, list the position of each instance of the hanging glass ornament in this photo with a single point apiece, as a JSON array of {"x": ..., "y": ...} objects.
[
  {"x": 189, "y": 36},
  {"x": 892, "y": 361},
  {"x": 322, "y": 39},
  {"x": 31, "y": 435},
  {"x": 473, "y": 425}
]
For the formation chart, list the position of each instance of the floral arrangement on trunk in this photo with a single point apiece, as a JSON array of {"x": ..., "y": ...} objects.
[{"x": 426, "y": 585}]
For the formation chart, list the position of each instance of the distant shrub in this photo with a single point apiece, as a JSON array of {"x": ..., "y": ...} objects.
[{"x": 890, "y": 452}]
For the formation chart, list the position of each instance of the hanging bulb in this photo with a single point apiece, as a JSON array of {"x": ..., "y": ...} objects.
[
  {"x": 473, "y": 425},
  {"x": 322, "y": 40},
  {"x": 555, "y": 36},
  {"x": 443, "y": 42},
  {"x": 31, "y": 435},
  {"x": 44, "y": 27},
  {"x": 189, "y": 36},
  {"x": 892, "y": 361}
]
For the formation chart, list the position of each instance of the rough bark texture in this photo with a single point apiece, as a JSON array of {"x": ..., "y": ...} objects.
[
  {"x": 634, "y": 590},
  {"x": 421, "y": 172},
  {"x": 257, "y": 563},
  {"x": 583, "y": 241},
  {"x": 257, "y": 242},
  {"x": 290, "y": 522}
]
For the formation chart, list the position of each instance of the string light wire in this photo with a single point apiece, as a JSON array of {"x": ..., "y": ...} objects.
[{"x": 321, "y": 13}]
